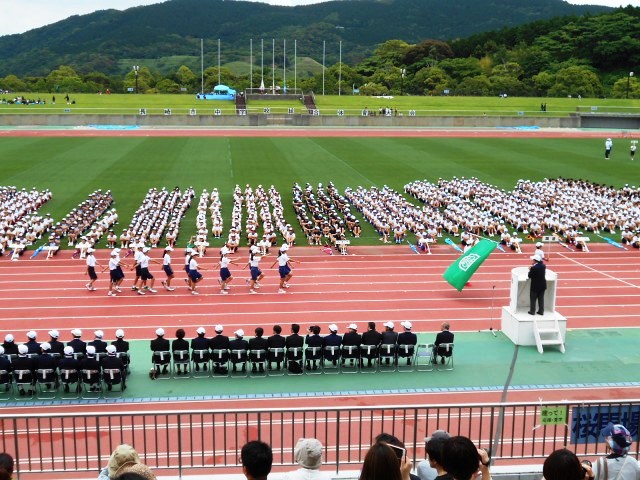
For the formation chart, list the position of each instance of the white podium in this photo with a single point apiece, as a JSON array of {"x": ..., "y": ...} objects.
[{"x": 525, "y": 329}]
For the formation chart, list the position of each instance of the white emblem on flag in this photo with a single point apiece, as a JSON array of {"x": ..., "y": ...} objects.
[{"x": 466, "y": 262}]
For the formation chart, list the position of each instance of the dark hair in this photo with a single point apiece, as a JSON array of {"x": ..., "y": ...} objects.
[
  {"x": 6, "y": 465},
  {"x": 434, "y": 449},
  {"x": 259, "y": 331},
  {"x": 315, "y": 329},
  {"x": 180, "y": 333},
  {"x": 460, "y": 457},
  {"x": 388, "y": 438},
  {"x": 130, "y": 476},
  {"x": 277, "y": 329},
  {"x": 372, "y": 325},
  {"x": 562, "y": 464},
  {"x": 295, "y": 328},
  {"x": 381, "y": 463},
  {"x": 257, "y": 458}
]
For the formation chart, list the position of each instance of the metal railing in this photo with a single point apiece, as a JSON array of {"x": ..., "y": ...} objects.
[{"x": 188, "y": 442}]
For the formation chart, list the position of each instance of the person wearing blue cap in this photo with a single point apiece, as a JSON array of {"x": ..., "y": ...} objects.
[{"x": 617, "y": 464}]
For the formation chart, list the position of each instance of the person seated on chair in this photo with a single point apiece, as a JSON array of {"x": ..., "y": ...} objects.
[
  {"x": 314, "y": 340},
  {"x": 201, "y": 343},
  {"x": 91, "y": 363},
  {"x": 238, "y": 344},
  {"x": 258, "y": 343},
  {"x": 351, "y": 338},
  {"x": 276, "y": 341},
  {"x": 389, "y": 337},
  {"x": 160, "y": 344},
  {"x": 112, "y": 362},
  {"x": 445, "y": 336},
  {"x": 332, "y": 340},
  {"x": 68, "y": 362},
  {"x": 99, "y": 344},
  {"x": 46, "y": 361},
  {"x": 24, "y": 363},
  {"x": 57, "y": 346},
  {"x": 9, "y": 345},
  {"x": 295, "y": 340},
  {"x": 32, "y": 344},
  {"x": 122, "y": 346},
  {"x": 79, "y": 347},
  {"x": 219, "y": 342},
  {"x": 180, "y": 345},
  {"x": 372, "y": 337},
  {"x": 407, "y": 338},
  {"x": 5, "y": 365}
]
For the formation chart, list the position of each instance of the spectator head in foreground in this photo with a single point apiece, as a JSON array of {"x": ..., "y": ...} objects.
[
  {"x": 123, "y": 455},
  {"x": 6, "y": 466},
  {"x": 563, "y": 464},
  {"x": 135, "y": 471},
  {"x": 308, "y": 453},
  {"x": 618, "y": 438},
  {"x": 256, "y": 457},
  {"x": 462, "y": 460},
  {"x": 384, "y": 462}
]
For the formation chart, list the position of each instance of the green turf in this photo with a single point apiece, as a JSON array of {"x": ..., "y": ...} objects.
[{"x": 73, "y": 167}]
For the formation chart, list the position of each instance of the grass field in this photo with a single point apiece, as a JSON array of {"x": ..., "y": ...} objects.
[
  {"x": 74, "y": 167},
  {"x": 328, "y": 105}
]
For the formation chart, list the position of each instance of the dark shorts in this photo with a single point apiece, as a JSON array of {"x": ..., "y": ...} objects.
[
  {"x": 138, "y": 271},
  {"x": 145, "y": 274},
  {"x": 92, "y": 273},
  {"x": 255, "y": 273},
  {"x": 186, "y": 268},
  {"x": 120, "y": 272},
  {"x": 284, "y": 271},
  {"x": 195, "y": 275},
  {"x": 225, "y": 274},
  {"x": 116, "y": 275},
  {"x": 168, "y": 270}
]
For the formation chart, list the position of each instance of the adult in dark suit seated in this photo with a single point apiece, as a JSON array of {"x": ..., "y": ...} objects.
[
  {"x": 99, "y": 344},
  {"x": 351, "y": 338},
  {"x": 32, "y": 344},
  {"x": 313, "y": 340},
  {"x": 389, "y": 337},
  {"x": 27, "y": 365},
  {"x": 57, "y": 347},
  {"x": 79, "y": 346},
  {"x": 72, "y": 365},
  {"x": 200, "y": 343},
  {"x": 9, "y": 345},
  {"x": 180, "y": 345},
  {"x": 276, "y": 341},
  {"x": 258, "y": 343},
  {"x": 219, "y": 342},
  {"x": 407, "y": 341},
  {"x": 90, "y": 363},
  {"x": 122, "y": 347},
  {"x": 160, "y": 344},
  {"x": 445, "y": 336},
  {"x": 5, "y": 366},
  {"x": 46, "y": 361},
  {"x": 332, "y": 340},
  {"x": 537, "y": 274},
  {"x": 373, "y": 338},
  {"x": 112, "y": 362},
  {"x": 239, "y": 345}
]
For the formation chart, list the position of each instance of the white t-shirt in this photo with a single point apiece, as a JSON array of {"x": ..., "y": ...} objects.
[
  {"x": 91, "y": 261},
  {"x": 193, "y": 264},
  {"x": 144, "y": 261},
  {"x": 283, "y": 259},
  {"x": 255, "y": 261},
  {"x": 113, "y": 263},
  {"x": 224, "y": 262},
  {"x": 166, "y": 260}
]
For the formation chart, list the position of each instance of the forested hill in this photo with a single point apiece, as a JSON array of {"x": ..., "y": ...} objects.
[{"x": 102, "y": 40}]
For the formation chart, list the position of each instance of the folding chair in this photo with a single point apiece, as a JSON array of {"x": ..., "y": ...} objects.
[
  {"x": 238, "y": 360},
  {"x": 71, "y": 385},
  {"x": 275, "y": 355},
  {"x": 91, "y": 384},
  {"x": 445, "y": 357},
  {"x": 331, "y": 359},
  {"x": 313, "y": 360},
  {"x": 181, "y": 360},
  {"x": 126, "y": 361},
  {"x": 294, "y": 358},
  {"x": 46, "y": 383},
  {"x": 258, "y": 360},
  {"x": 113, "y": 382},
  {"x": 424, "y": 357},
  {"x": 6, "y": 385},
  {"x": 161, "y": 361},
  {"x": 387, "y": 358},
  {"x": 368, "y": 358},
  {"x": 24, "y": 380},
  {"x": 350, "y": 358},
  {"x": 405, "y": 354},
  {"x": 201, "y": 363},
  {"x": 220, "y": 362}
]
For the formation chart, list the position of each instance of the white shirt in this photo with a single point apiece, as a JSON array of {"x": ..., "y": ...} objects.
[
  {"x": 91, "y": 261},
  {"x": 113, "y": 263},
  {"x": 283, "y": 259},
  {"x": 166, "y": 260},
  {"x": 144, "y": 261},
  {"x": 224, "y": 262},
  {"x": 193, "y": 264},
  {"x": 255, "y": 261}
]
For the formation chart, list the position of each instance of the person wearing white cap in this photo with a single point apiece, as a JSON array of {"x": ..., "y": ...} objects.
[
  {"x": 219, "y": 346},
  {"x": 32, "y": 344},
  {"x": 238, "y": 344},
  {"x": 351, "y": 338},
  {"x": 166, "y": 266},
  {"x": 57, "y": 347},
  {"x": 225, "y": 274},
  {"x": 79, "y": 347},
  {"x": 90, "y": 362},
  {"x": 308, "y": 454},
  {"x": 5, "y": 366},
  {"x": 112, "y": 362},
  {"x": 200, "y": 344},
  {"x": 91, "y": 269},
  {"x": 407, "y": 341},
  {"x": 98, "y": 343},
  {"x": 195, "y": 276},
  {"x": 284, "y": 267},
  {"x": 389, "y": 337},
  {"x": 608, "y": 146},
  {"x": 46, "y": 361},
  {"x": 9, "y": 345},
  {"x": 332, "y": 340},
  {"x": 23, "y": 363},
  {"x": 254, "y": 268},
  {"x": 539, "y": 252},
  {"x": 137, "y": 264},
  {"x": 146, "y": 278},
  {"x": 160, "y": 344},
  {"x": 115, "y": 272},
  {"x": 538, "y": 285}
]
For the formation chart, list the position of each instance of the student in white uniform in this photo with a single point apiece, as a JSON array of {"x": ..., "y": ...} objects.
[
  {"x": 284, "y": 269},
  {"x": 166, "y": 266},
  {"x": 91, "y": 269}
]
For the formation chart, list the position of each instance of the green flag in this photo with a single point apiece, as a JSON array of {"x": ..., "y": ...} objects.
[{"x": 460, "y": 271}]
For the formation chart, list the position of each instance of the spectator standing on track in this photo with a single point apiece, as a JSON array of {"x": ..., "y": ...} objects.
[
  {"x": 284, "y": 267},
  {"x": 608, "y": 146},
  {"x": 256, "y": 458},
  {"x": 617, "y": 464},
  {"x": 166, "y": 266},
  {"x": 308, "y": 454},
  {"x": 91, "y": 269}
]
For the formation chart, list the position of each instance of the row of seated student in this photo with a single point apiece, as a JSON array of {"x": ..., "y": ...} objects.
[
  {"x": 57, "y": 347},
  {"x": 332, "y": 347}
]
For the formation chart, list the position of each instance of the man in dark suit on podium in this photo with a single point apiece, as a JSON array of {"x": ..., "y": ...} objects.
[{"x": 538, "y": 285}]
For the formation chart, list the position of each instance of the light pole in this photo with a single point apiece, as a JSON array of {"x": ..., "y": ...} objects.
[
  {"x": 628, "y": 82},
  {"x": 136, "y": 68},
  {"x": 403, "y": 71}
]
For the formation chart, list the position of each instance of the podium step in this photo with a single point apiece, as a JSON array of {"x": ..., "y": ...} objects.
[{"x": 552, "y": 336}]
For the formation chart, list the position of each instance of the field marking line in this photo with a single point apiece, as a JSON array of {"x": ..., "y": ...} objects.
[{"x": 598, "y": 271}]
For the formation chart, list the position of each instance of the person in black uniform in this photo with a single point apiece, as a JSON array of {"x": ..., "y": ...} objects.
[
  {"x": 180, "y": 344},
  {"x": 409, "y": 339},
  {"x": 46, "y": 361},
  {"x": 57, "y": 347},
  {"x": 5, "y": 366},
  {"x": 258, "y": 343},
  {"x": 78, "y": 345},
  {"x": 276, "y": 341},
  {"x": 538, "y": 285},
  {"x": 32, "y": 344},
  {"x": 122, "y": 349},
  {"x": 99, "y": 344},
  {"x": 332, "y": 340},
  {"x": 9, "y": 345},
  {"x": 238, "y": 344},
  {"x": 200, "y": 343},
  {"x": 160, "y": 344},
  {"x": 26, "y": 365},
  {"x": 445, "y": 336},
  {"x": 295, "y": 341},
  {"x": 389, "y": 337},
  {"x": 91, "y": 364},
  {"x": 351, "y": 338},
  {"x": 68, "y": 362},
  {"x": 374, "y": 338},
  {"x": 219, "y": 342},
  {"x": 112, "y": 362},
  {"x": 314, "y": 340}
]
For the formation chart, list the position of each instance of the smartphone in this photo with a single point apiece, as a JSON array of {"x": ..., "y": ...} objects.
[{"x": 400, "y": 452}]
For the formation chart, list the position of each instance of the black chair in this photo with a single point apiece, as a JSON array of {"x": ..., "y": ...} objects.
[
  {"x": 331, "y": 359},
  {"x": 445, "y": 355},
  {"x": 25, "y": 381},
  {"x": 350, "y": 358},
  {"x": 238, "y": 360},
  {"x": 406, "y": 352},
  {"x": 200, "y": 360},
  {"x": 91, "y": 383},
  {"x": 220, "y": 362},
  {"x": 6, "y": 385},
  {"x": 161, "y": 361},
  {"x": 258, "y": 360},
  {"x": 275, "y": 356},
  {"x": 294, "y": 361},
  {"x": 180, "y": 364},
  {"x": 368, "y": 358},
  {"x": 313, "y": 360},
  {"x": 46, "y": 383},
  {"x": 126, "y": 360},
  {"x": 387, "y": 358},
  {"x": 71, "y": 385},
  {"x": 114, "y": 381}
]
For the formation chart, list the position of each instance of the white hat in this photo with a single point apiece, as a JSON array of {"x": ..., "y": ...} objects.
[
  {"x": 201, "y": 331},
  {"x": 145, "y": 249},
  {"x": 1, "y": 350},
  {"x": 22, "y": 349},
  {"x": 32, "y": 334},
  {"x": 91, "y": 250},
  {"x": 98, "y": 333},
  {"x": 76, "y": 332},
  {"x": 8, "y": 338},
  {"x": 68, "y": 350},
  {"x": 353, "y": 326},
  {"x": 119, "y": 333},
  {"x": 389, "y": 324},
  {"x": 219, "y": 328},
  {"x": 45, "y": 346},
  {"x": 160, "y": 332},
  {"x": 224, "y": 250},
  {"x": 308, "y": 453},
  {"x": 116, "y": 251},
  {"x": 54, "y": 333},
  {"x": 407, "y": 324},
  {"x": 91, "y": 350},
  {"x": 539, "y": 244},
  {"x": 254, "y": 249},
  {"x": 168, "y": 248},
  {"x": 536, "y": 257},
  {"x": 111, "y": 349},
  {"x": 284, "y": 247},
  {"x": 239, "y": 333},
  {"x": 333, "y": 327}
]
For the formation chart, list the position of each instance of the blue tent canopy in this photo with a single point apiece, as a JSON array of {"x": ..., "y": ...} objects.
[{"x": 220, "y": 92}]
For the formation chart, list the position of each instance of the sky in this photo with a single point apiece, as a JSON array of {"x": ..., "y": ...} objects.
[{"x": 18, "y": 16}]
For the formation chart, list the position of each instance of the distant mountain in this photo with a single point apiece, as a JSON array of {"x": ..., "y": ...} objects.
[{"x": 108, "y": 40}]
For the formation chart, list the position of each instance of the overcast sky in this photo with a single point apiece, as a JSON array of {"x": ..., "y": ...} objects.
[{"x": 17, "y": 16}]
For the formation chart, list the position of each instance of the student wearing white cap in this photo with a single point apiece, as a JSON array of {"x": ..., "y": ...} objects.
[
  {"x": 98, "y": 343},
  {"x": 161, "y": 344},
  {"x": 238, "y": 344},
  {"x": 46, "y": 361},
  {"x": 225, "y": 274},
  {"x": 284, "y": 267},
  {"x": 407, "y": 341},
  {"x": 9, "y": 345},
  {"x": 538, "y": 285},
  {"x": 32, "y": 344},
  {"x": 57, "y": 347},
  {"x": 91, "y": 269},
  {"x": 195, "y": 276},
  {"x": 112, "y": 362},
  {"x": 254, "y": 268},
  {"x": 166, "y": 267},
  {"x": 90, "y": 362},
  {"x": 137, "y": 259},
  {"x": 115, "y": 272},
  {"x": 539, "y": 250},
  {"x": 23, "y": 363},
  {"x": 332, "y": 340},
  {"x": 351, "y": 338},
  {"x": 146, "y": 278},
  {"x": 79, "y": 346}
]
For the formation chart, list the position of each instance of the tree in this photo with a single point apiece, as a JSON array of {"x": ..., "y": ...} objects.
[
  {"x": 427, "y": 53},
  {"x": 576, "y": 81},
  {"x": 460, "y": 68},
  {"x": 432, "y": 81},
  {"x": 624, "y": 85},
  {"x": 13, "y": 83},
  {"x": 167, "y": 86},
  {"x": 474, "y": 86},
  {"x": 543, "y": 81},
  {"x": 65, "y": 79},
  {"x": 145, "y": 80},
  {"x": 186, "y": 78}
]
